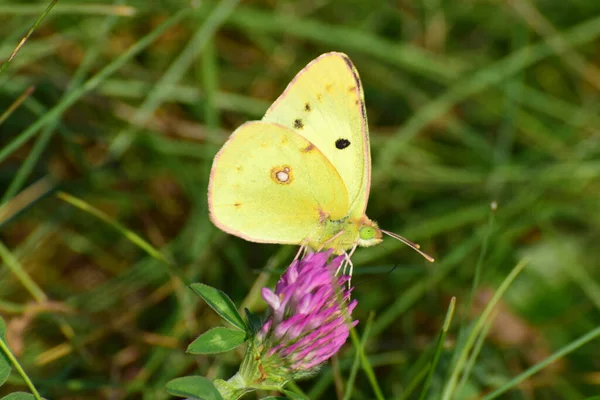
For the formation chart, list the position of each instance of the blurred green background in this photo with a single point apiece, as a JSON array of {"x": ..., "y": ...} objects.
[{"x": 110, "y": 115}]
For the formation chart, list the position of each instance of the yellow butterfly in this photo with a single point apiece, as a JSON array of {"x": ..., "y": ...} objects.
[{"x": 302, "y": 174}]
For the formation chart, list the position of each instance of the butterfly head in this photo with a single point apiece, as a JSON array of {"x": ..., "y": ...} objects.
[{"x": 369, "y": 233}]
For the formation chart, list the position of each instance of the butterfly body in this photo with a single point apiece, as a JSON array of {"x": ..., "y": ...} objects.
[
  {"x": 344, "y": 234},
  {"x": 301, "y": 175}
]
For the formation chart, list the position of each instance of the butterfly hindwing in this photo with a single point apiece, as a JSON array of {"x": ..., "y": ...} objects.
[{"x": 269, "y": 184}]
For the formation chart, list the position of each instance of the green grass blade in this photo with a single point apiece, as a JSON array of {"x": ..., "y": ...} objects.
[
  {"x": 366, "y": 365},
  {"x": 130, "y": 235},
  {"x": 476, "y": 350},
  {"x": 475, "y": 283},
  {"x": 174, "y": 73},
  {"x": 481, "y": 80},
  {"x": 210, "y": 78},
  {"x": 414, "y": 382},
  {"x": 17, "y": 269},
  {"x": 356, "y": 361},
  {"x": 439, "y": 348},
  {"x": 407, "y": 56},
  {"x": 70, "y": 8},
  {"x": 27, "y": 166},
  {"x": 91, "y": 84},
  {"x": 588, "y": 337},
  {"x": 43, "y": 140},
  {"x": 588, "y": 284},
  {"x": 419, "y": 289},
  {"x": 462, "y": 359}
]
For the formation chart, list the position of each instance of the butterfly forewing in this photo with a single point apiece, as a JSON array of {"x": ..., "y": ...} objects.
[{"x": 325, "y": 104}]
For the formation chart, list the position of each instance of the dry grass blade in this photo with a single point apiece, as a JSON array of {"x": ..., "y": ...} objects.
[
  {"x": 27, "y": 35},
  {"x": 28, "y": 92}
]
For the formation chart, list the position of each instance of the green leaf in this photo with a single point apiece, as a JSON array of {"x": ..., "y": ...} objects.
[
  {"x": 196, "y": 386},
  {"x": 5, "y": 365},
  {"x": 217, "y": 340},
  {"x": 274, "y": 398},
  {"x": 221, "y": 303}
]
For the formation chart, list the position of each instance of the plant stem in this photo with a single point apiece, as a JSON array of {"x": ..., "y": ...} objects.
[{"x": 19, "y": 369}]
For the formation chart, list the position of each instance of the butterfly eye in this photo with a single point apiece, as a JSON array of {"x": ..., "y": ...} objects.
[
  {"x": 366, "y": 233},
  {"x": 342, "y": 143}
]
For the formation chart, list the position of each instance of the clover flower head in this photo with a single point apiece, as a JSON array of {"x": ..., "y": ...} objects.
[{"x": 309, "y": 317}]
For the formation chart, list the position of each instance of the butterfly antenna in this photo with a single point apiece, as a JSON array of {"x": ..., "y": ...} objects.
[{"x": 407, "y": 242}]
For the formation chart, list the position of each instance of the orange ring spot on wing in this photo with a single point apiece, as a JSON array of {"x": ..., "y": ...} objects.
[{"x": 282, "y": 174}]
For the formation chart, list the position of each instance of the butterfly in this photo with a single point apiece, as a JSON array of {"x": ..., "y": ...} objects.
[{"x": 301, "y": 175}]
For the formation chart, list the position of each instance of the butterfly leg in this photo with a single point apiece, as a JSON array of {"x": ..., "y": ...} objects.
[
  {"x": 352, "y": 250},
  {"x": 303, "y": 248},
  {"x": 348, "y": 263}
]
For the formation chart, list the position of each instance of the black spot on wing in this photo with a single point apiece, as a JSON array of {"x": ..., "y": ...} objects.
[
  {"x": 298, "y": 124},
  {"x": 342, "y": 143},
  {"x": 307, "y": 106}
]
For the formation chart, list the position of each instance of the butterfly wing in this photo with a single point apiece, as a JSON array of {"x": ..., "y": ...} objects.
[
  {"x": 271, "y": 185},
  {"x": 325, "y": 104}
]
